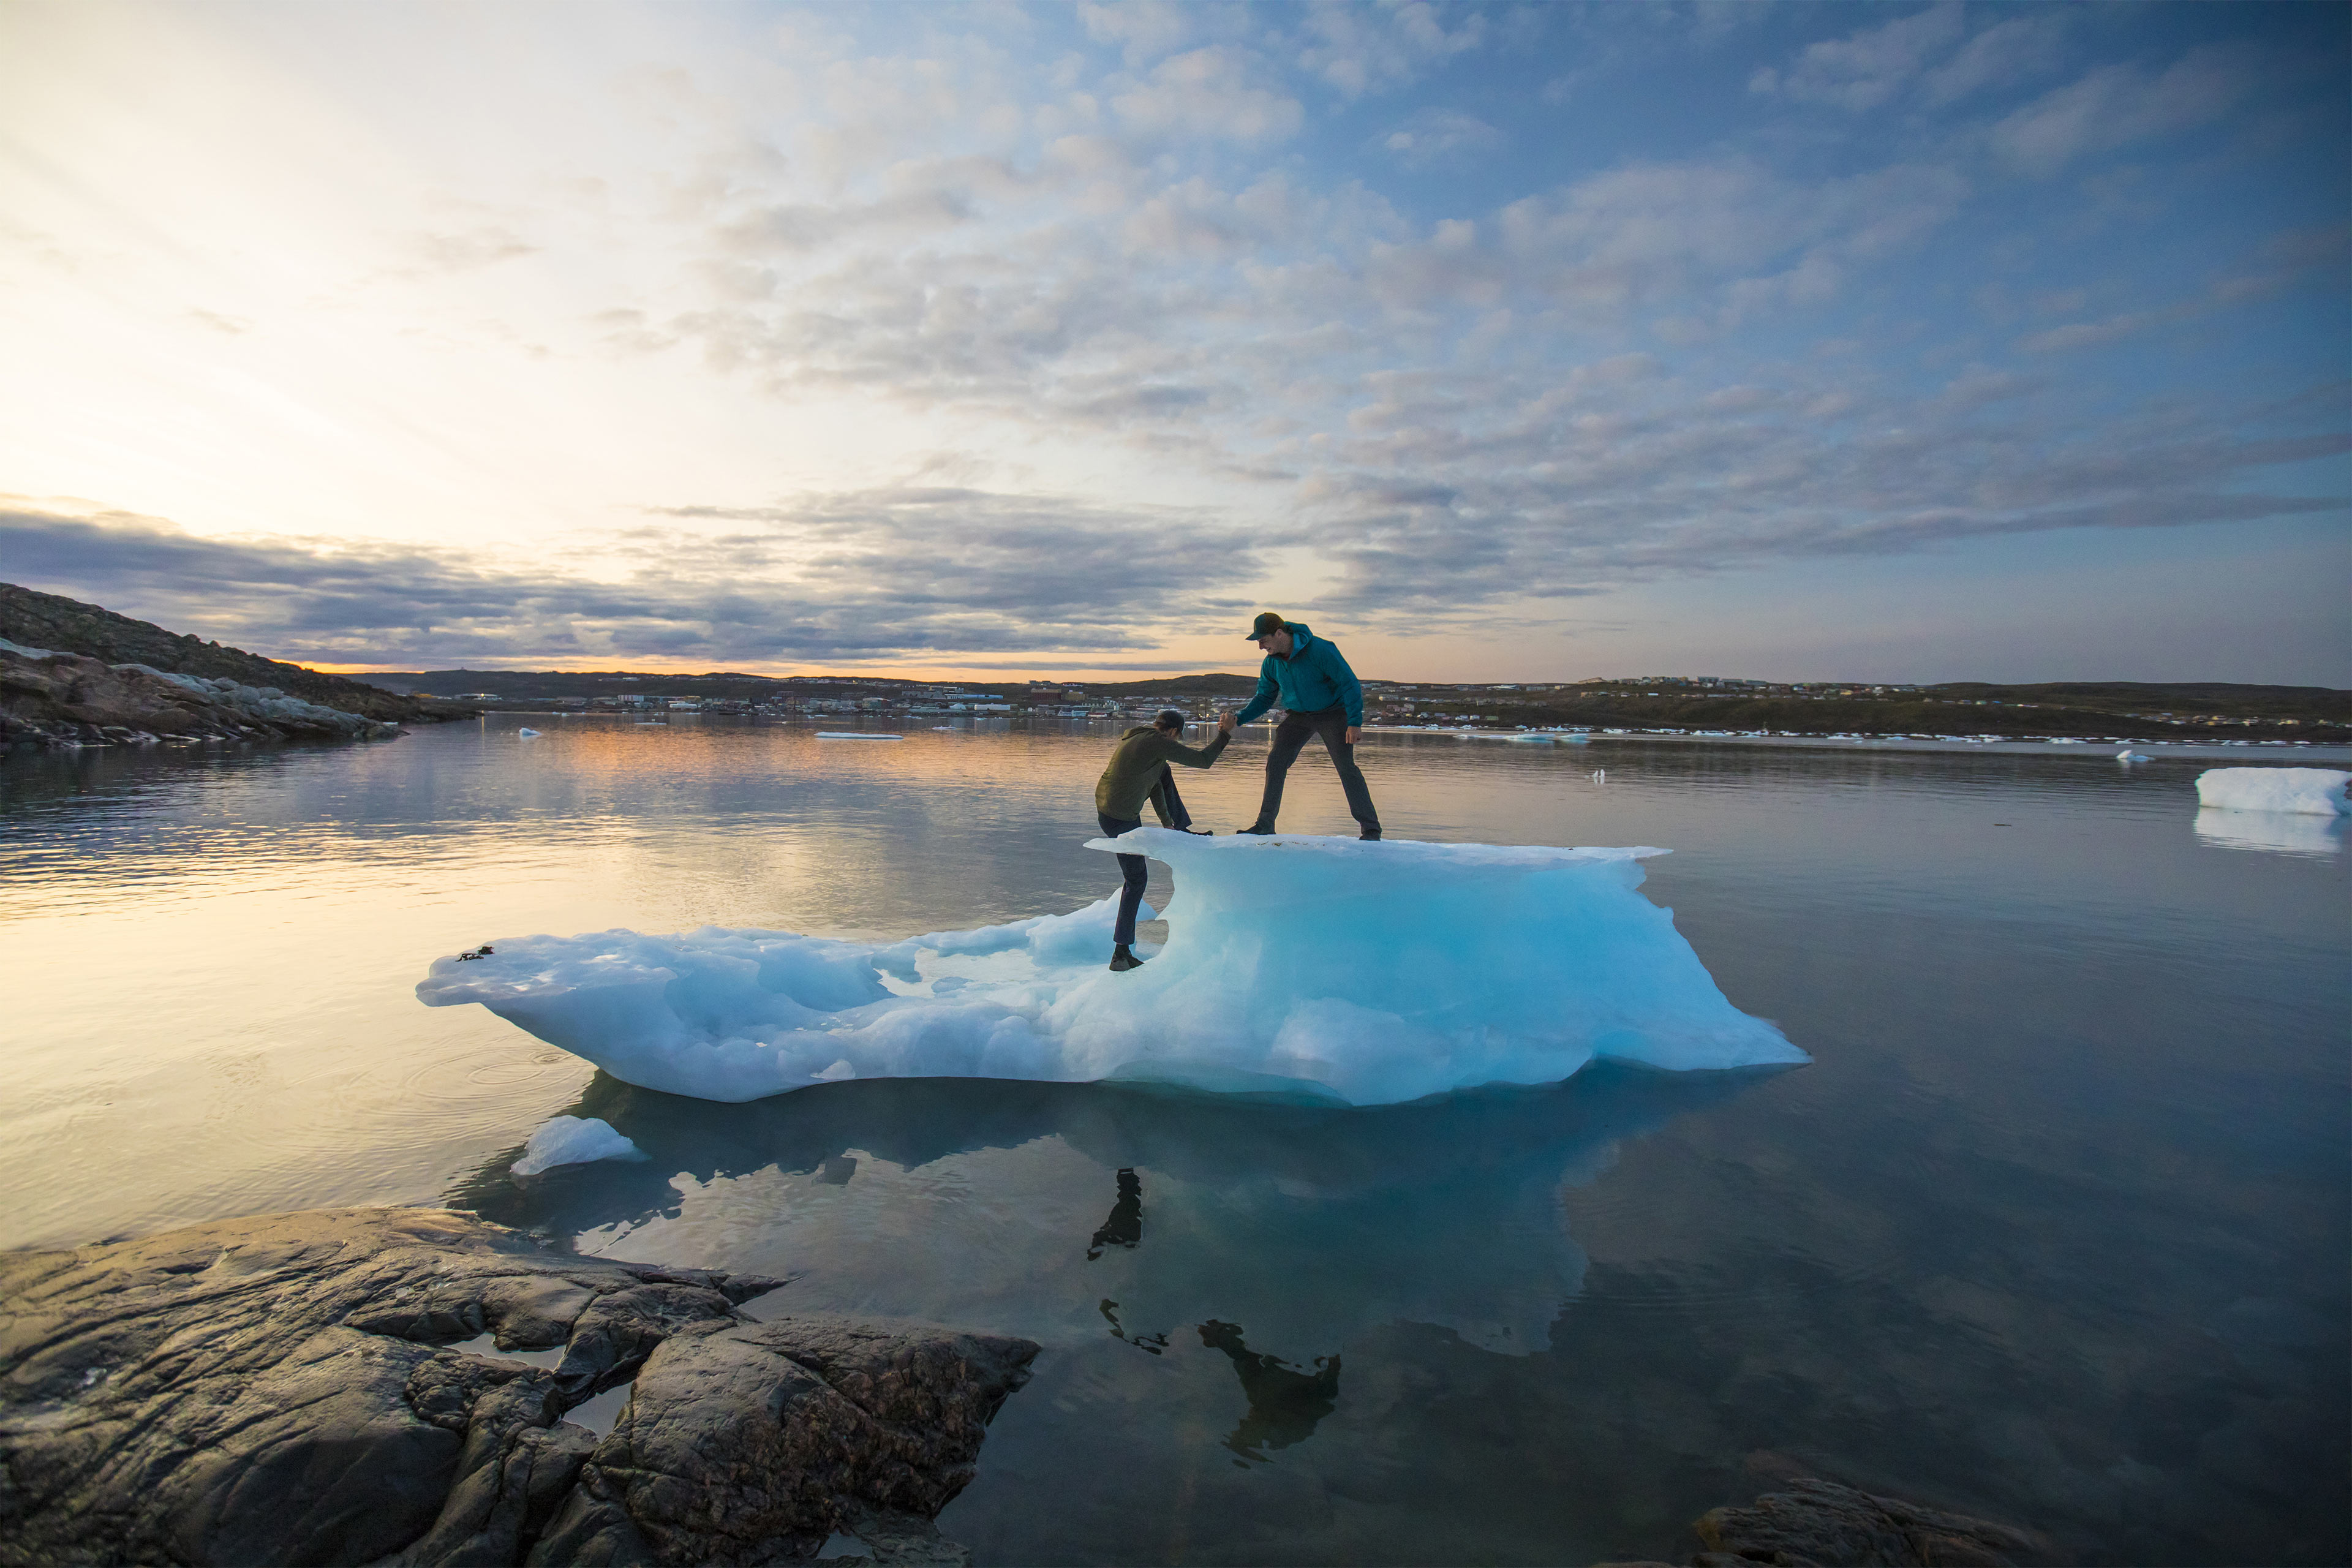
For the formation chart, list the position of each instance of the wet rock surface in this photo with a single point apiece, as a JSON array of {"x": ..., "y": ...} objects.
[
  {"x": 289, "y": 1389},
  {"x": 1815, "y": 1523},
  {"x": 1823, "y": 1522}
]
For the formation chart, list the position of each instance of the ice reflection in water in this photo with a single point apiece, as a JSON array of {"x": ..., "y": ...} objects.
[{"x": 1303, "y": 1224}]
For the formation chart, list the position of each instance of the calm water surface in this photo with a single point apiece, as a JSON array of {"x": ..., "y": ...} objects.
[{"x": 2053, "y": 1229}]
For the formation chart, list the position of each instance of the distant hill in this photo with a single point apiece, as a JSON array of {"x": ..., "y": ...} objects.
[
  {"x": 68, "y": 626},
  {"x": 2309, "y": 703}
]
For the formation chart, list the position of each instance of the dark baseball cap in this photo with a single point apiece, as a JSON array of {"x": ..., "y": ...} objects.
[{"x": 1265, "y": 625}]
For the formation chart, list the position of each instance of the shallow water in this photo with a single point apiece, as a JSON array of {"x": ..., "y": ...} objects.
[{"x": 2054, "y": 1228}]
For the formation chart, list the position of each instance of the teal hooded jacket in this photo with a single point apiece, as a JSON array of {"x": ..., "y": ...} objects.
[{"x": 1312, "y": 679}]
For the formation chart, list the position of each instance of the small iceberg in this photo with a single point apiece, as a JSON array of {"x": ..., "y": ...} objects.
[
  {"x": 2131, "y": 756},
  {"x": 856, "y": 735},
  {"x": 1325, "y": 970},
  {"x": 2312, "y": 792},
  {"x": 526, "y": 734},
  {"x": 572, "y": 1141}
]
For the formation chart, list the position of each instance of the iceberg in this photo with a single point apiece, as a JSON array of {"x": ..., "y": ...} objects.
[
  {"x": 572, "y": 1141},
  {"x": 1313, "y": 968},
  {"x": 2316, "y": 792}
]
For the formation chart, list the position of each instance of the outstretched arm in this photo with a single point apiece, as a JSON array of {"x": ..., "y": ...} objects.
[
  {"x": 1177, "y": 751},
  {"x": 1264, "y": 697}
]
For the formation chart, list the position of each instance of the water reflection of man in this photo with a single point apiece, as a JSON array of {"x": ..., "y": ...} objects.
[
  {"x": 1124, "y": 1226},
  {"x": 1138, "y": 770}
]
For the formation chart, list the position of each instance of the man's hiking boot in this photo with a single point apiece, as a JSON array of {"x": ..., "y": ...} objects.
[
  {"x": 1122, "y": 960},
  {"x": 1258, "y": 827},
  {"x": 1369, "y": 834}
]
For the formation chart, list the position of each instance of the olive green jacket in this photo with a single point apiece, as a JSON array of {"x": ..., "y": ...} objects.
[{"x": 1134, "y": 773}]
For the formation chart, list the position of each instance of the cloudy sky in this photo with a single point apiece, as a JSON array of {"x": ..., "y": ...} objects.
[{"x": 1498, "y": 340}]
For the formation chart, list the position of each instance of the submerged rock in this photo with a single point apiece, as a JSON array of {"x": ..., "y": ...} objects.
[
  {"x": 291, "y": 1388},
  {"x": 1821, "y": 1522}
]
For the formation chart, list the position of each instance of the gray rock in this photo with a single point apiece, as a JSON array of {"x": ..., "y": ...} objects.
[
  {"x": 281, "y": 1390},
  {"x": 743, "y": 1442},
  {"x": 1821, "y": 1524},
  {"x": 66, "y": 700}
]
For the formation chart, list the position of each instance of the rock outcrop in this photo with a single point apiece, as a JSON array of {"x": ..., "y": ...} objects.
[
  {"x": 1814, "y": 1523},
  {"x": 1819, "y": 1522},
  {"x": 63, "y": 701},
  {"x": 68, "y": 625},
  {"x": 298, "y": 1388}
]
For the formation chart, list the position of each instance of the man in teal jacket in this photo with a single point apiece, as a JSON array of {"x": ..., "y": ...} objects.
[{"x": 1319, "y": 696}]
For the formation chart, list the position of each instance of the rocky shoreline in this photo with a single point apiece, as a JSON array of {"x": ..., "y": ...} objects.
[
  {"x": 316, "y": 1387},
  {"x": 65, "y": 701}
]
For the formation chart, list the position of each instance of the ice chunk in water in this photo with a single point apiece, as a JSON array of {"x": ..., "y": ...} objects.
[
  {"x": 2318, "y": 792},
  {"x": 1318, "y": 968},
  {"x": 570, "y": 1141}
]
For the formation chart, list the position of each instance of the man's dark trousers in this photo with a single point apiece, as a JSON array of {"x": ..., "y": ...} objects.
[
  {"x": 1131, "y": 867},
  {"x": 1331, "y": 725}
]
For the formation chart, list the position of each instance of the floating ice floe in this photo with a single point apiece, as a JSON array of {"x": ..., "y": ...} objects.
[
  {"x": 1309, "y": 967},
  {"x": 856, "y": 735},
  {"x": 526, "y": 734},
  {"x": 2316, "y": 792},
  {"x": 571, "y": 1140},
  {"x": 2128, "y": 755}
]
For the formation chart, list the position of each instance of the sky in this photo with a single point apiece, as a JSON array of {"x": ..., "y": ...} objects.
[{"x": 999, "y": 340}]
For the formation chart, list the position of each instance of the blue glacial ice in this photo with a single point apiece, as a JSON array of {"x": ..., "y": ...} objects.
[{"x": 1310, "y": 967}]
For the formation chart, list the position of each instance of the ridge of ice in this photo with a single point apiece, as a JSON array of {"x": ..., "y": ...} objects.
[
  {"x": 572, "y": 1141},
  {"x": 2317, "y": 792},
  {"x": 1315, "y": 968}
]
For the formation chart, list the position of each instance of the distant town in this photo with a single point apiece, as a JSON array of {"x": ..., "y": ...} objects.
[{"x": 1655, "y": 704}]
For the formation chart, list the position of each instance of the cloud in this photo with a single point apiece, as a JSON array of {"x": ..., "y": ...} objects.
[
  {"x": 2284, "y": 261},
  {"x": 2115, "y": 105},
  {"x": 1144, "y": 29},
  {"x": 1357, "y": 50},
  {"x": 2003, "y": 54},
  {"x": 1440, "y": 135},
  {"x": 823, "y": 578},
  {"x": 1215, "y": 93},
  {"x": 1585, "y": 489},
  {"x": 1866, "y": 68}
]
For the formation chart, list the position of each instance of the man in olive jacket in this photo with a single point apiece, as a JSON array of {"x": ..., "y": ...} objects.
[
  {"x": 1319, "y": 696},
  {"x": 1139, "y": 771}
]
